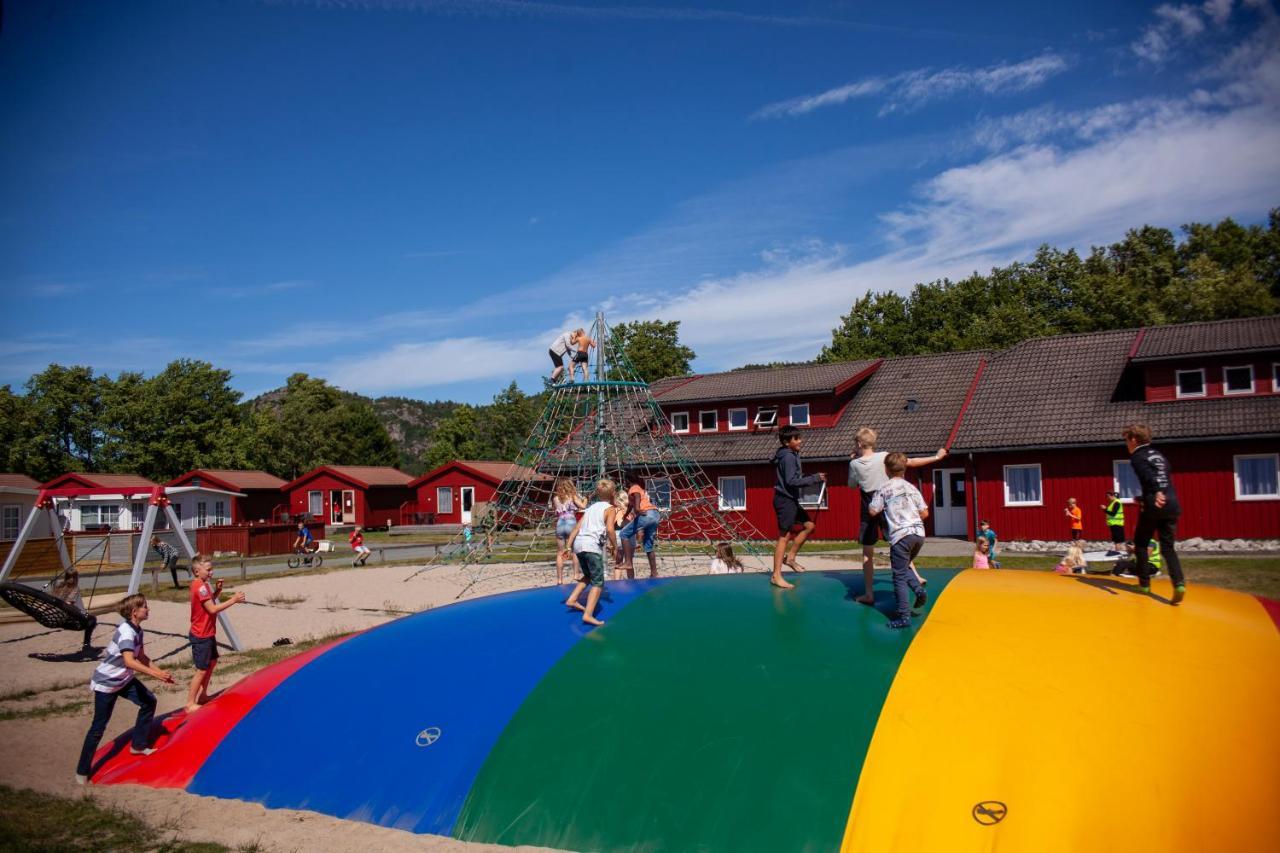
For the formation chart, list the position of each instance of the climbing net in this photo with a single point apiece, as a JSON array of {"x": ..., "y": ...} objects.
[{"x": 609, "y": 427}]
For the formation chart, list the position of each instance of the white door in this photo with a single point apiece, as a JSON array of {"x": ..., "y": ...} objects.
[
  {"x": 468, "y": 499},
  {"x": 950, "y": 502}
]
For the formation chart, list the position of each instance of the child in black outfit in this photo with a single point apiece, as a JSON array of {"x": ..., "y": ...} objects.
[{"x": 788, "y": 481}]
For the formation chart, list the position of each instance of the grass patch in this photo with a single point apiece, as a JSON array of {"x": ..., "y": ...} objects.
[
  {"x": 32, "y": 822},
  {"x": 42, "y": 711},
  {"x": 282, "y": 600}
]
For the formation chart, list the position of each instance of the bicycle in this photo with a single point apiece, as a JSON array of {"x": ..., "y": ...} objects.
[{"x": 302, "y": 557}]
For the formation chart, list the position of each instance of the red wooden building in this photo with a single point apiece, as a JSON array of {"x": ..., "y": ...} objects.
[
  {"x": 258, "y": 493},
  {"x": 369, "y": 496},
  {"x": 114, "y": 505},
  {"x": 457, "y": 492},
  {"x": 1027, "y": 428}
]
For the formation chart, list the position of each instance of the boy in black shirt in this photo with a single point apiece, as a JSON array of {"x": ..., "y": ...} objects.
[
  {"x": 789, "y": 479},
  {"x": 1158, "y": 509}
]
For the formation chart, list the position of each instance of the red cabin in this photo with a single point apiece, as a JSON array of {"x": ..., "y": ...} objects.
[
  {"x": 369, "y": 496},
  {"x": 258, "y": 493},
  {"x": 458, "y": 492}
]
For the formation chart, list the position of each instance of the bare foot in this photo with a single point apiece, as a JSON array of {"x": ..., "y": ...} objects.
[
  {"x": 795, "y": 567},
  {"x": 591, "y": 620},
  {"x": 574, "y": 605},
  {"x": 781, "y": 584},
  {"x": 866, "y": 599},
  {"x": 191, "y": 709}
]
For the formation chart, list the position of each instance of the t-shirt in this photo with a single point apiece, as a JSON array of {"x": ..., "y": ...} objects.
[
  {"x": 867, "y": 472},
  {"x": 718, "y": 567},
  {"x": 203, "y": 623},
  {"x": 592, "y": 533},
  {"x": 357, "y": 539},
  {"x": 901, "y": 504},
  {"x": 562, "y": 344},
  {"x": 1075, "y": 518},
  {"x": 305, "y": 533},
  {"x": 112, "y": 675},
  {"x": 645, "y": 504}
]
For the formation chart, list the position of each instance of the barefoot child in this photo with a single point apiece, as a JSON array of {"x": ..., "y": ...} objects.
[
  {"x": 360, "y": 549},
  {"x": 905, "y": 510},
  {"x": 565, "y": 503},
  {"x": 114, "y": 678},
  {"x": 585, "y": 344},
  {"x": 205, "y": 608},
  {"x": 643, "y": 525},
  {"x": 788, "y": 480},
  {"x": 724, "y": 561},
  {"x": 593, "y": 530}
]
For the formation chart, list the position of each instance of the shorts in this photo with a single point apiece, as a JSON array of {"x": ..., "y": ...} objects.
[
  {"x": 789, "y": 513},
  {"x": 204, "y": 650},
  {"x": 1076, "y": 533},
  {"x": 1117, "y": 533},
  {"x": 872, "y": 529},
  {"x": 592, "y": 565},
  {"x": 646, "y": 526},
  {"x": 556, "y": 359},
  {"x": 361, "y": 549},
  {"x": 564, "y": 527},
  {"x": 579, "y": 357}
]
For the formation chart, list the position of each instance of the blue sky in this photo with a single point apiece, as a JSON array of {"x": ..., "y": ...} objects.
[{"x": 412, "y": 197}]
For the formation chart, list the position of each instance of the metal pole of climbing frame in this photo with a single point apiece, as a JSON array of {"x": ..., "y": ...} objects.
[{"x": 600, "y": 375}]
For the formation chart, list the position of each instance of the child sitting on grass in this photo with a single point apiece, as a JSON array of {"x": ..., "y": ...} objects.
[
  {"x": 587, "y": 541},
  {"x": 905, "y": 510},
  {"x": 724, "y": 561},
  {"x": 203, "y": 634},
  {"x": 114, "y": 678}
]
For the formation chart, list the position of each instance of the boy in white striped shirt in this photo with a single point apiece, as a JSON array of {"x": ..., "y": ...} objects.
[{"x": 114, "y": 678}]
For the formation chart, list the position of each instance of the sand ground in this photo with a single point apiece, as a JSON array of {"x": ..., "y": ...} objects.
[{"x": 40, "y": 753}]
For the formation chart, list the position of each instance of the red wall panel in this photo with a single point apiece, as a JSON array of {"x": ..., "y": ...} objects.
[
  {"x": 1161, "y": 379},
  {"x": 455, "y": 480},
  {"x": 374, "y": 507}
]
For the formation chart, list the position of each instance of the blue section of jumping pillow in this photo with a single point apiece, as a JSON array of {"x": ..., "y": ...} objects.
[{"x": 459, "y": 672}]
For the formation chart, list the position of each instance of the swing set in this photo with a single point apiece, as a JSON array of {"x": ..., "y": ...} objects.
[{"x": 54, "y": 612}]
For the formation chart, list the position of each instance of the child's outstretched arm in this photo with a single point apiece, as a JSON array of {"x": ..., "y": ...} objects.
[
  {"x": 921, "y": 461},
  {"x": 144, "y": 666}
]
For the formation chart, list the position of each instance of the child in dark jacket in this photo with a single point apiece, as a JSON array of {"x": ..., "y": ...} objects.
[{"x": 794, "y": 524}]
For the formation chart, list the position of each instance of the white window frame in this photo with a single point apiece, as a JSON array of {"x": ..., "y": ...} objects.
[
  {"x": 766, "y": 416},
  {"x": 202, "y": 514},
  {"x": 746, "y": 421},
  {"x": 664, "y": 506},
  {"x": 1115, "y": 479},
  {"x": 1005, "y": 484},
  {"x": 136, "y": 517},
  {"x": 702, "y": 427},
  {"x": 113, "y": 510},
  {"x": 1253, "y": 380},
  {"x": 220, "y": 512},
  {"x": 720, "y": 494},
  {"x": 5, "y": 510},
  {"x": 1235, "y": 475},
  {"x": 676, "y": 429},
  {"x": 810, "y": 503},
  {"x": 444, "y": 496},
  {"x": 1177, "y": 384},
  {"x": 791, "y": 414}
]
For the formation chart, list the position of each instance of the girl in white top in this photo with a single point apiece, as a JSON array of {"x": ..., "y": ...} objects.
[
  {"x": 866, "y": 473},
  {"x": 724, "y": 561},
  {"x": 588, "y": 539}
]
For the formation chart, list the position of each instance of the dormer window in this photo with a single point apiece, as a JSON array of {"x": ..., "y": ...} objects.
[
  {"x": 1237, "y": 380},
  {"x": 767, "y": 417},
  {"x": 912, "y": 404},
  {"x": 799, "y": 414},
  {"x": 708, "y": 421},
  {"x": 737, "y": 419},
  {"x": 1190, "y": 383},
  {"x": 679, "y": 421}
]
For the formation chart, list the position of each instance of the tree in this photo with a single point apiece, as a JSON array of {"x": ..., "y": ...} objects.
[
  {"x": 18, "y": 437},
  {"x": 65, "y": 404},
  {"x": 877, "y": 325},
  {"x": 455, "y": 437},
  {"x": 505, "y": 424},
  {"x": 653, "y": 348}
]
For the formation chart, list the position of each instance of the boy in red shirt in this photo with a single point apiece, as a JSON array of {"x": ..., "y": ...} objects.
[
  {"x": 1077, "y": 524},
  {"x": 205, "y": 608},
  {"x": 357, "y": 545}
]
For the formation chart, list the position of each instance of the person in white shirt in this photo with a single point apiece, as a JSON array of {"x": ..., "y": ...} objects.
[
  {"x": 561, "y": 352},
  {"x": 593, "y": 531},
  {"x": 905, "y": 510}
]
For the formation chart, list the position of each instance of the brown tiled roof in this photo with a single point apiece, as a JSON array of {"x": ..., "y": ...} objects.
[
  {"x": 372, "y": 475},
  {"x": 759, "y": 382},
  {"x": 495, "y": 469},
  {"x": 107, "y": 481},
  {"x": 1251, "y": 334},
  {"x": 238, "y": 480},
  {"x": 1064, "y": 391},
  {"x": 18, "y": 481},
  {"x": 938, "y": 384}
]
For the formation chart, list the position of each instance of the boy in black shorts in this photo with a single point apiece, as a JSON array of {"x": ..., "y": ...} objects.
[{"x": 794, "y": 524}]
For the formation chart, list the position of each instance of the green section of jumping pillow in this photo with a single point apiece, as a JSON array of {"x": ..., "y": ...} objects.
[{"x": 714, "y": 713}]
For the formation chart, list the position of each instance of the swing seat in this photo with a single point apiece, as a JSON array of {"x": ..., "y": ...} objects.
[{"x": 49, "y": 610}]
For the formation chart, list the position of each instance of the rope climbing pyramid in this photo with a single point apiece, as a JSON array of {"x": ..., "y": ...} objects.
[{"x": 608, "y": 427}]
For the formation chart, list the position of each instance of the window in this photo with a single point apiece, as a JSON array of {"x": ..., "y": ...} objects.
[
  {"x": 708, "y": 421},
  {"x": 202, "y": 514},
  {"x": 10, "y": 518},
  {"x": 1190, "y": 383},
  {"x": 137, "y": 514},
  {"x": 1257, "y": 477},
  {"x": 444, "y": 500},
  {"x": 733, "y": 493},
  {"x": 814, "y": 497},
  {"x": 1237, "y": 380},
  {"x": 219, "y": 512},
  {"x": 1022, "y": 485},
  {"x": 767, "y": 417},
  {"x": 799, "y": 414},
  {"x": 100, "y": 515},
  {"x": 659, "y": 490},
  {"x": 679, "y": 421},
  {"x": 737, "y": 419},
  {"x": 1123, "y": 481}
]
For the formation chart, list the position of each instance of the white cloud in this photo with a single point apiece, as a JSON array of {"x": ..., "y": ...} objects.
[
  {"x": 1184, "y": 22},
  {"x": 437, "y": 363},
  {"x": 910, "y": 89}
]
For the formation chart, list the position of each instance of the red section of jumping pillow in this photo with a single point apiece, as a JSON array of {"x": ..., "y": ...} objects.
[
  {"x": 1272, "y": 607},
  {"x": 183, "y": 743}
]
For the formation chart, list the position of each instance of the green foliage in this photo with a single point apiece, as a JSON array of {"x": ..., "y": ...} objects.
[
  {"x": 456, "y": 437},
  {"x": 495, "y": 431},
  {"x": 64, "y": 417},
  {"x": 653, "y": 349},
  {"x": 1218, "y": 272}
]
